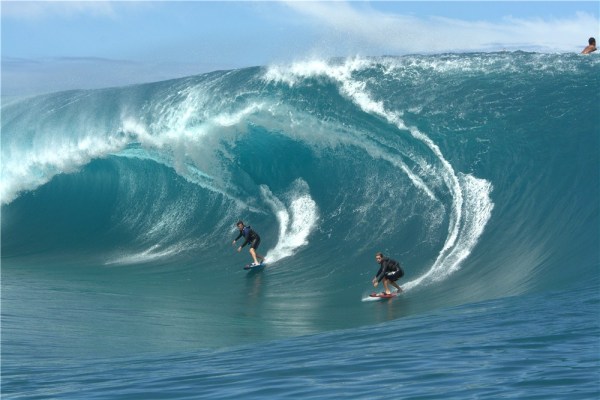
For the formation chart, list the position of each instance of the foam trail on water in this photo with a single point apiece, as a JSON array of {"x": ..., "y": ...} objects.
[
  {"x": 153, "y": 253},
  {"x": 295, "y": 223},
  {"x": 478, "y": 210}
]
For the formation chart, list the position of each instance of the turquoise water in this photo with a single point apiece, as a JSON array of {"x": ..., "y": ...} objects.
[{"x": 479, "y": 172}]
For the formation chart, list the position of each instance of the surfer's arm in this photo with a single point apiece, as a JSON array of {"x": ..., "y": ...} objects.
[
  {"x": 246, "y": 241},
  {"x": 237, "y": 238},
  {"x": 379, "y": 275}
]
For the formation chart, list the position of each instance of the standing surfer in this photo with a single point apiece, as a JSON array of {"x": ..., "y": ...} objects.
[
  {"x": 389, "y": 271},
  {"x": 251, "y": 237}
]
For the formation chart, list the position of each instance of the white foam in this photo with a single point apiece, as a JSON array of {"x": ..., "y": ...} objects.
[
  {"x": 183, "y": 135},
  {"x": 477, "y": 212},
  {"x": 27, "y": 169},
  {"x": 296, "y": 222}
]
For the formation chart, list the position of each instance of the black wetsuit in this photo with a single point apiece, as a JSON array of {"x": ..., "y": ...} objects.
[
  {"x": 389, "y": 269},
  {"x": 251, "y": 237}
]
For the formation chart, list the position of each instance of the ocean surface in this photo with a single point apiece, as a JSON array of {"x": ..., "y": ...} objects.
[{"x": 479, "y": 172}]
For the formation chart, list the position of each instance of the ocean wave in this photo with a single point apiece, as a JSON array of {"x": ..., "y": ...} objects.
[{"x": 402, "y": 154}]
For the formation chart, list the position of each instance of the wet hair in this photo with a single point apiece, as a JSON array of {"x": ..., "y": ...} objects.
[
  {"x": 240, "y": 222},
  {"x": 592, "y": 40},
  {"x": 379, "y": 254}
]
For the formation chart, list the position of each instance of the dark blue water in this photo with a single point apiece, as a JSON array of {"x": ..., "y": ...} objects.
[{"x": 479, "y": 172}]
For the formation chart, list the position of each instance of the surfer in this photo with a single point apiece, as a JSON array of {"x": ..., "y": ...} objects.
[
  {"x": 389, "y": 271},
  {"x": 591, "y": 47},
  {"x": 251, "y": 237}
]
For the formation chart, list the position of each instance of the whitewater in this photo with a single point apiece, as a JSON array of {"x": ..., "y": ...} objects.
[{"x": 479, "y": 172}]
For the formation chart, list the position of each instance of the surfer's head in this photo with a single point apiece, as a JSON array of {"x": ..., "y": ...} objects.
[
  {"x": 378, "y": 256},
  {"x": 240, "y": 224}
]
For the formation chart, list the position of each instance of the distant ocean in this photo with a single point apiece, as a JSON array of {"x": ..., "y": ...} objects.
[{"x": 479, "y": 172}]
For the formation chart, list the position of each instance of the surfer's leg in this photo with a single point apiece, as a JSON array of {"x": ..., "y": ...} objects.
[
  {"x": 385, "y": 285},
  {"x": 394, "y": 277},
  {"x": 253, "y": 254},
  {"x": 253, "y": 247}
]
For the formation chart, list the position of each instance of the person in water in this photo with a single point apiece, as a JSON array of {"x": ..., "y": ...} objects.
[
  {"x": 389, "y": 271},
  {"x": 251, "y": 237},
  {"x": 591, "y": 47}
]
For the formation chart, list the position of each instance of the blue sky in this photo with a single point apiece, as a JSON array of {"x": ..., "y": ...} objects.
[{"x": 50, "y": 46}]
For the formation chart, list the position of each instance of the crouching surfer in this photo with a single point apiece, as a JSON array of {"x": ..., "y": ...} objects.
[
  {"x": 389, "y": 271},
  {"x": 251, "y": 237}
]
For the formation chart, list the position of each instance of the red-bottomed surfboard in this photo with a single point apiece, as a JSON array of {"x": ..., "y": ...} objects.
[{"x": 383, "y": 295}]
